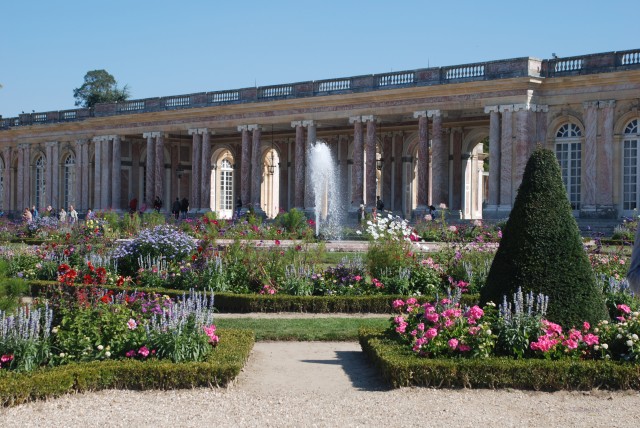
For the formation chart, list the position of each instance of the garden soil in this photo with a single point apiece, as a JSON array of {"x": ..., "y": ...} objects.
[{"x": 304, "y": 384}]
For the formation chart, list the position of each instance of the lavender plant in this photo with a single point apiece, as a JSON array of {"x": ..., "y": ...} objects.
[{"x": 25, "y": 337}]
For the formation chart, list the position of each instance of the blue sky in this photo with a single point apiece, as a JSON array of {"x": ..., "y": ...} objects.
[{"x": 161, "y": 48}]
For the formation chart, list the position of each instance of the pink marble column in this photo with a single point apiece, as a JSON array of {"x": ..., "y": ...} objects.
[
  {"x": 205, "y": 198},
  {"x": 159, "y": 172},
  {"x": 524, "y": 142},
  {"x": 397, "y": 189},
  {"x": 97, "y": 169},
  {"x": 27, "y": 175},
  {"x": 387, "y": 166},
  {"x": 85, "y": 175},
  {"x": 78, "y": 172},
  {"x": 423, "y": 161},
  {"x": 456, "y": 167},
  {"x": 440, "y": 170},
  {"x": 309, "y": 198},
  {"x": 105, "y": 167},
  {"x": 494, "y": 156},
  {"x": 357, "y": 173},
  {"x": 55, "y": 174},
  {"x": 245, "y": 165},
  {"x": 589, "y": 155},
  {"x": 506, "y": 157},
  {"x": 343, "y": 165},
  {"x": 256, "y": 165},
  {"x": 299, "y": 190},
  {"x": 20, "y": 179},
  {"x": 48, "y": 174},
  {"x": 541, "y": 124},
  {"x": 370, "y": 165},
  {"x": 6, "y": 180},
  {"x": 196, "y": 152},
  {"x": 605, "y": 156},
  {"x": 116, "y": 173}
]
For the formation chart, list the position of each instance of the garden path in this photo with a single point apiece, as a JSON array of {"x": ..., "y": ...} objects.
[{"x": 325, "y": 384}]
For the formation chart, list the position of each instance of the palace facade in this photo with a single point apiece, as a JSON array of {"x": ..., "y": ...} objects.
[{"x": 458, "y": 136}]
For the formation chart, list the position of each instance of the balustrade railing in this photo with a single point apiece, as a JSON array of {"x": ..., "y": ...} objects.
[
  {"x": 131, "y": 106},
  {"x": 334, "y": 85},
  {"x": 275, "y": 91},
  {"x": 68, "y": 115},
  {"x": 391, "y": 79},
  {"x": 630, "y": 58},
  {"x": 570, "y": 64},
  {"x": 224, "y": 96},
  {"x": 465, "y": 71},
  {"x": 179, "y": 101},
  {"x": 40, "y": 117}
]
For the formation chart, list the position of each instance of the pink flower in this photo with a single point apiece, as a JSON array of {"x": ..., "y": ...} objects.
[
  {"x": 412, "y": 301},
  {"x": 591, "y": 339},
  {"x": 132, "y": 324},
  {"x": 586, "y": 326},
  {"x": 357, "y": 278},
  {"x": 130, "y": 354},
  {"x": 6, "y": 358},
  {"x": 543, "y": 344},
  {"x": 432, "y": 317},
  {"x": 552, "y": 328},
  {"x": 453, "y": 343},
  {"x": 420, "y": 326},
  {"x": 624, "y": 308},
  {"x": 431, "y": 333},
  {"x": 397, "y": 304},
  {"x": 211, "y": 332},
  {"x": 475, "y": 312},
  {"x": 277, "y": 242},
  {"x": 144, "y": 351},
  {"x": 464, "y": 348},
  {"x": 570, "y": 343}
]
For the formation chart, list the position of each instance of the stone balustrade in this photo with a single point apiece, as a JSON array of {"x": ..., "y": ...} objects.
[{"x": 501, "y": 69}]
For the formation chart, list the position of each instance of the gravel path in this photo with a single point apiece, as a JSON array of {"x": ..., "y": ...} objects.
[{"x": 325, "y": 384}]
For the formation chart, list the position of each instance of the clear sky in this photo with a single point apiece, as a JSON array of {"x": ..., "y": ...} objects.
[{"x": 161, "y": 48}]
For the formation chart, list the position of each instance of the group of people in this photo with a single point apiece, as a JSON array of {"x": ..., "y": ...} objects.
[
  {"x": 180, "y": 206},
  {"x": 29, "y": 215}
]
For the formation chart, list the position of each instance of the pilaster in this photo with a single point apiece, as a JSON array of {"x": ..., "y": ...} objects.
[
  {"x": 370, "y": 166},
  {"x": 494, "y": 157},
  {"x": 116, "y": 173},
  {"x": 589, "y": 156},
  {"x": 423, "y": 163},
  {"x": 205, "y": 198},
  {"x": 196, "y": 160},
  {"x": 357, "y": 174},
  {"x": 604, "y": 194},
  {"x": 506, "y": 158},
  {"x": 245, "y": 165},
  {"x": 97, "y": 169},
  {"x": 256, "y": 167},
  {"x": 6, "y": 180},
  {"x": 299, "y": 173}
]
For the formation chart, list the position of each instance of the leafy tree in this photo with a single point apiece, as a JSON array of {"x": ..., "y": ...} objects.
[
  {"x": 541, "y": 249},
  {"x": 99, "y": 87}
]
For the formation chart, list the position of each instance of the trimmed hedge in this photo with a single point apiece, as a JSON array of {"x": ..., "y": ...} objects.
[
  {"x": 400, "y": 367},
  {"x": 220, "y": 369},
  {"x": 243, "y": 303}
]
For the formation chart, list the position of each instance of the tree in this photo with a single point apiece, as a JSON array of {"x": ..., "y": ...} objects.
[
  {"x": 99, "y": 87},
  {"x": 541, "y": 249}
]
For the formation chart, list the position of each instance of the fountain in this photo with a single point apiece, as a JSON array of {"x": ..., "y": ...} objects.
[{"x": 324, "y": 183}]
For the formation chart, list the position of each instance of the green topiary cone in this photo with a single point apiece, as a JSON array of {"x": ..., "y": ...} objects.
[{"x": 541, "y": 249}]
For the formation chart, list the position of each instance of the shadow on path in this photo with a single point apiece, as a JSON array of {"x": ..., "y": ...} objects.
[{"x": 362, "y": 375}]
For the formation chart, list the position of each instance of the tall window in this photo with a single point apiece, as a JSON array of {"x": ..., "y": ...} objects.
[
  {"x": 569, "y": 154},
  {"x": 69, "y": 180},
  {"x": 40, "y": 182},
  {"x": 226, "y": 185},
  {"x": 630, "y": 166}
]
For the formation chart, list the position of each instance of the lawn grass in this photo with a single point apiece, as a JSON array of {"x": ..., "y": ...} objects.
[
  {"x": 304, "y": 329},
  {"x": 332, "y": 258}
]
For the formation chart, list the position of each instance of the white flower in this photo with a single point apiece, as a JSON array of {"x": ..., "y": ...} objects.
[
  {"x": 605, "y": 346},
  {"x": 54, "y": 330},
  {"x": 61, "y": 355},
  {"x": 634, "y": 336},
  {"x": 489, "y": 331},
  {"x": 100, "y": 347},
  {"x": 629, "y": 343},
  {"x": 107, "y": 354},
  {"x": 619, "y": 336},
  {"x": 596, "y": 347}
]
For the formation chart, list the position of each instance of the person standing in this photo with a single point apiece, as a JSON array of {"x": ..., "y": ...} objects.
[
  {"x": 73, "y": 214},
  {"x": 184, "y": 207},
  {"x": 157, "y": 204},
  {"x": 175, "y": 208},
  {"x": 62, "y": 216},
  {"x": 27, "y": 216}
]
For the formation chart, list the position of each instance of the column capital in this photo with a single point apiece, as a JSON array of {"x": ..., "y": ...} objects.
[
  {"x": 254, "y": 127},
  {"x": 23, "y": 146},
  {"x": 607, "y": 103},
  {"x": 544, "y": 108},
  {"x": 240, "y": 128},
  {"x": 506, "y": 107},
  {"x": 369, "y": 118},
  {"x": 296, "y": 123},
  {"x": 589, "y": 104},
  {"x": 200, "y": 131},
  {"x": 418, "y": 114},
  {"x": 523, "y": 106},
  {"x": 308, "y": 123},
  {"x": 436, "y": 113},
  {"x": 100, "y": 139},
  {"x": 51, "y": 143},
  {"x": 491, "y": 109},
  {"x": 154, "y": 134}
]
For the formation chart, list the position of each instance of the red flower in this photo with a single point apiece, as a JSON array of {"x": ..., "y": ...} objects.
[
  {"x": 277, "y": 242},
  {"x": 199, "y": 249},
  {"x": 194, "y": 257},
  {"x": 105, "y": 299}
]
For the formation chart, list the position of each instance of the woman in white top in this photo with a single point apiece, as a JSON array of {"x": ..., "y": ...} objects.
[
  {"x": 62, "y": 216},
  {"x": 73, "y": 214}
]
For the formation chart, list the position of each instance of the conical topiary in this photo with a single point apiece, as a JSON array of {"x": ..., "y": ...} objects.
[{"x": 541, "y": 249}]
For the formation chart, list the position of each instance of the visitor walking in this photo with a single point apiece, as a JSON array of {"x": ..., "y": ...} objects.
[
  {"x": 34, "y": 212},
  {"x": 27, "y": 216},
  {"x": 157, "y": 204},
  {"x": 73, "y": 215},
  {"x": 133, "y": 205},
  {"x": 62, "y": 216},
  {"x": 90, "y": 214},
  {"x": 379, "y": 204},
  {"x": 238, "y": 207},
  {"x": 184, "y": 207},
  {"x": 175, "y": 208}
]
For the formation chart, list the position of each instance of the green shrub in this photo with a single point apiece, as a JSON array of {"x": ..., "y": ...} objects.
[
  {"x": 386, "y": 257},
  {"x": 541, "y": 249},
  {"x": 294, "y": 221}
]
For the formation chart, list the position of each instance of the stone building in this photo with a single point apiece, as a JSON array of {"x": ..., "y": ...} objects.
[{"x": 458, "y": 136}]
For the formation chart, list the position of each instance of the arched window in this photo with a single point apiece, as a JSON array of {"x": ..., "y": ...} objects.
[
  {"x": 40, "y": 182},
  {"x": 630, "y": 142},
  {"x": 69, "y": 180},
  {"x": 226, "y": 185},
  {"x": 569, "y": 154}
]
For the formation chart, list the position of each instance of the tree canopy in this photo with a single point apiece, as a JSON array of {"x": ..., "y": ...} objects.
[{"x": 99, "y": 87}]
